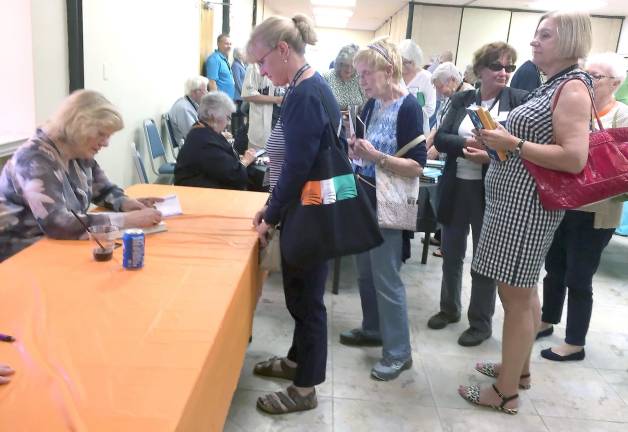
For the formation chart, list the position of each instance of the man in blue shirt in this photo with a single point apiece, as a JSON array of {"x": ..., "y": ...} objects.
[{"x": 217, "y": 67}]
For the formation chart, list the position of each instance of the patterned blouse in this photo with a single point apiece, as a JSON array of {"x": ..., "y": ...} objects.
[
  {"x": 36, "y": 182},
  {"x": 382, "y": 131},
  {"x": 346, "y": 92}
]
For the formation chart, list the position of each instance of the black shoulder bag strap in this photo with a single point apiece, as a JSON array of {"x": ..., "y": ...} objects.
[{"x": 335, "y": 127}]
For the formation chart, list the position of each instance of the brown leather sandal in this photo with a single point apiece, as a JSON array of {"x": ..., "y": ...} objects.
[
  {"x": 288, "y": 401},
  {"x": 266, "y": 368}
]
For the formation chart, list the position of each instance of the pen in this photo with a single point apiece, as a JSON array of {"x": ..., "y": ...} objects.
[{"x": 6, "y": 338}]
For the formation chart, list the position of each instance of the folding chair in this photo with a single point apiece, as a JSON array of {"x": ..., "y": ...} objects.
[
  {"x": 167, "y": 125},
  {"x": 156, "y": 149},
  {"x": 141, "y": 169},
  {"x": 139, "y": 164}
]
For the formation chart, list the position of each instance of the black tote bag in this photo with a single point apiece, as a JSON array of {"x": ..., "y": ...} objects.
[{"x": 333, "y": 217}]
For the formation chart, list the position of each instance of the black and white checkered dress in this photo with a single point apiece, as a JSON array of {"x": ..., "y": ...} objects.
[{"x": 517, "y": 231}]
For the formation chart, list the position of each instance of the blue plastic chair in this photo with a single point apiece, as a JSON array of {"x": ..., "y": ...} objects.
[
  {"x": 139, "y": 164},
  {"x": 156, "y": 149},
  {"x": 141, "y": 169},
  {"x": 174, "y": 145}
]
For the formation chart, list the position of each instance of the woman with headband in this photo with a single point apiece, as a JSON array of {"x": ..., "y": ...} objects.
[{"x": 393, "y": 118}]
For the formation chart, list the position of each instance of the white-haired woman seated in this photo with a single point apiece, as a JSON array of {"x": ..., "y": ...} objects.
[
  {"x": 418, "y": 80},
  {"x": 55, "y": 172},
  {"x": 207, "y": 159}
]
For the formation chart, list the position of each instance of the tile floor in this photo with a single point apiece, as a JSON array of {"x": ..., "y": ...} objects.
[{"x": 587, "y": 396}]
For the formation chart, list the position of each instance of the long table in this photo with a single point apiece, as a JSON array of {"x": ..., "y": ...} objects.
[{"x": 101, "y": 348}]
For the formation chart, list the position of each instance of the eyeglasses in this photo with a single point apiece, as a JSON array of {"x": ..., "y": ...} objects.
[
  {"x": 496, "y": 67},
  {"x": 260, "y": 62},
  {"x": 597, "y": 77}
]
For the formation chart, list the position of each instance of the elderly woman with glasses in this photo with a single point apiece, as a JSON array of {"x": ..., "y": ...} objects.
[
  {"x": 393, "y": 119},
  {"x": 418, "y": 80},
  {"x": 447, "y": 81},
  {"x": 207, "y": 159},
  {"x": 583, "y": 234},
  {"x": 54, "y": 173},
  {"x": 308, "y": 112},
  {"x": 343, "y": 80},
  {"x": 461, "y": 202}
]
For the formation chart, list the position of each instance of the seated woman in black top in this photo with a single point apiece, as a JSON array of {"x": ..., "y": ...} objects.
[{"x": 206, "y": 158}]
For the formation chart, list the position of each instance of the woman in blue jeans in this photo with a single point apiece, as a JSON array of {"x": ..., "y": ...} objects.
[{"x": 393, "y": 118}]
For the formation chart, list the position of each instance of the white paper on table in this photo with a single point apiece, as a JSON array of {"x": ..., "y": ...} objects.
[
  {"x": 116, "y": 219},
  {"x": 170, "y": 206}
]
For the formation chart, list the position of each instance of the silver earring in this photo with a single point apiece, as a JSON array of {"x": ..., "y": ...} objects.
[{"x": 285, "y": 60}]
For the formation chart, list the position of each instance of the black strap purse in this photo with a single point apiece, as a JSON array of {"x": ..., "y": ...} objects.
[{"x": 333, "y": 217}]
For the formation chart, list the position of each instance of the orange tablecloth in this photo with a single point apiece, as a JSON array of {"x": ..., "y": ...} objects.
[{"x": 101, "y": 348}]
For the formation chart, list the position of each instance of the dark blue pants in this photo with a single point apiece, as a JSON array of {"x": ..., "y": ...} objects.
[
  {"x": 571, "y": 263},
  {"x": 304, "y": 290}
]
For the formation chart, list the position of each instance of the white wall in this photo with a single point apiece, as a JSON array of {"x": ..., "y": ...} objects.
[
  {"x": 17, "y": 107},
  {"x": 399, "y": 24},
  {"x": 50, "y": 56},
  {"x": 436, "y": 29},
  {"x": 623, "y": 40},
  {"x": 139, "y": 59},
  {"x": 48, "y": 32},
  {"x": 240, "y": 21},
  {"x": 479, "y": 27},
  {"x": 330, "y": 40}
]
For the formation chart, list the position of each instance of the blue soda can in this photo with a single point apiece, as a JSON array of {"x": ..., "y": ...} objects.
[{"x": 133, "y": 249}]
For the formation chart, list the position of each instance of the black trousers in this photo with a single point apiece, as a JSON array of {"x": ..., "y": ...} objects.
[
  {"x": 571, "y": 263},
  {"x": 468, "y": 201},
  {"x": 304, "y": 290}
]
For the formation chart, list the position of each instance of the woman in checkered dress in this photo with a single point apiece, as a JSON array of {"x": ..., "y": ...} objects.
[{"x": 517, "y": 231}]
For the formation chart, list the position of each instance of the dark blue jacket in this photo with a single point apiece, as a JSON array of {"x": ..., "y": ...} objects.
[
  {"x": 527, "y": 77},
  {"x": 305, "y": 123}
]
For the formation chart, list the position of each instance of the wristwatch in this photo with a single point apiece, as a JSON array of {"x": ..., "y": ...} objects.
[
  {"x": 382, "y": 161},
  {"x": 519, "y": 146}
]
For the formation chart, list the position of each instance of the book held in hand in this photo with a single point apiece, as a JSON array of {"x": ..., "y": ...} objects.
[{"x": 482, "y": 119}]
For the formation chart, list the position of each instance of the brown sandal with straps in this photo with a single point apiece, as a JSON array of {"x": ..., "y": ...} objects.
[
  {"x": 266, "y": 368},
  {"x": 288, "y": 401},
  {"x": 472, "y": 394},
  {"x": 490, "y": 370}
]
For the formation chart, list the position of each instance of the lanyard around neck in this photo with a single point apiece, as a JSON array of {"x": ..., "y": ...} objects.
[
  {"x": 293, "y": 83},
  {"x": 191, "y": 103},
  {"x": 478, "y": 99}
]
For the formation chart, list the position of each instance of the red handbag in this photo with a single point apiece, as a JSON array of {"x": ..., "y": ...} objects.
[{"x": 605, "y": 174}]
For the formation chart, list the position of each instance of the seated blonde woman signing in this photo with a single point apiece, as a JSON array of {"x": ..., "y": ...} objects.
[{"x": 55, "y": 172}]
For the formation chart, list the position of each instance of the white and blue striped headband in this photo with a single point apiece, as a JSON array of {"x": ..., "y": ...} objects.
[{"x": 382, "y": 51}]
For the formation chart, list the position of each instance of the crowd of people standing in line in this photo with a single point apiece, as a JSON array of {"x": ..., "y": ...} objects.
[{"x": 290, "y": 108}]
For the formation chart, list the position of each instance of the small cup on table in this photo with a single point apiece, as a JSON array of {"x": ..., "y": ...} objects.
[{"x": 103, "y": 238}]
